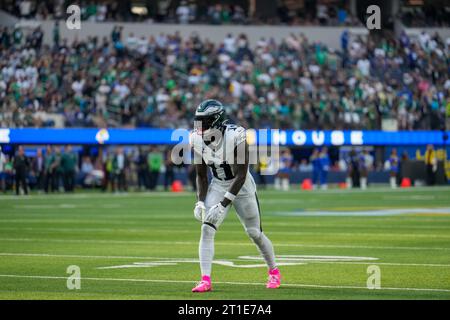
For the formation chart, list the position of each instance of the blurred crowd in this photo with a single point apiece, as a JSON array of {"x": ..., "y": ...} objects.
[
  {"x": 60, "y": 169},
  {"x": 120, "y": 169},
  {"x": 329, "y": 13},
  {"x": 130, "y": 81},
  {"x": 187, "y": 11}
]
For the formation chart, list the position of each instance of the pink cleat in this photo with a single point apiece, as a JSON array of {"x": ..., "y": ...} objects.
[
  {"x": 204, "y": 285},
  {"x": 274, "y": 279}
]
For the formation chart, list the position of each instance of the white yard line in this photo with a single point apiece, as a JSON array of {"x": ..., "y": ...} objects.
[
  {"x": 49, "y": 255},
  {"x": 94, "y": 195},
  {"x": 226, "y": 243},
  {"x": 84, "y": 195},
  {"x": 294, "y": 285}
]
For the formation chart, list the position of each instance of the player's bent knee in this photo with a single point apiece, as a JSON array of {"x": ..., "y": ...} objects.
[
  {"x": 254, "y": 233},
  {"x": 208, "y": 228}
]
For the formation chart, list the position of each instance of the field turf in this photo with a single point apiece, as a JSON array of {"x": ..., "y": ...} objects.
[{"x": 144, "y": 246}]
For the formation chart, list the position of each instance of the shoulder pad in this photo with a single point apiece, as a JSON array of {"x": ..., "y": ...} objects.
[{"x": 237, "y": 132}]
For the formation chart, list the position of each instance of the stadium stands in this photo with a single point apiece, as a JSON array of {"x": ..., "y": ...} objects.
[{"x": 297, "y": 83}]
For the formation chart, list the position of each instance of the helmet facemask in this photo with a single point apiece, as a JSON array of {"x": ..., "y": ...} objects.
[{"x": 209, "y": 126}]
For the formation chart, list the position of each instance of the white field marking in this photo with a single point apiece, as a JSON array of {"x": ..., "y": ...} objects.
[
  {"x": 226, "y": 263},
  {"x": 371, "y": 190},
  {"x": 363, "y": 213},
  {"x": 67, "y": 206},
  {"x": 327, "y": 233},
  {"x": 243, "y": 258},
  {"x": 286, "y": 201},
  {"x": 411, "y": 197},
  {"x": 268, "y": 223},
  {"x": 282, "y": 260},
  {"x": 109, "y": 196},
  {"x": 294, "y": 285},
  {"x": 225, "y": 243},
  {"x": 161, "y": 194},
  {"x": 350, "y": 226},
  {"x": 161, "y": 259}
]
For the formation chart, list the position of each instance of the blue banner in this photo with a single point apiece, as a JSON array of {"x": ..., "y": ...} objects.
[{"x": 170, "y": 136}]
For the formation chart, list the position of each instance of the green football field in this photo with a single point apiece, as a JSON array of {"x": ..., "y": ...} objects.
[{"x": 144, "y": 246}]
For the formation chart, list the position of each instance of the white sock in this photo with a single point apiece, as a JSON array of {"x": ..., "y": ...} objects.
[
  {"x": 285, "y": 184},
  {"x": 349, "y": 182},
  {"x": 363, "y": 182},
  {"x": 393, "y": 181},
  {"x": 324, "y": 187},
  {"x": 277, "y": 183},
  {"x": 206, "y": 249}
]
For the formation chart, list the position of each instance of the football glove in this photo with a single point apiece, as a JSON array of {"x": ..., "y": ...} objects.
[
  {"x": 216, "y": 214},
  {"x": 199, "y": 211}
]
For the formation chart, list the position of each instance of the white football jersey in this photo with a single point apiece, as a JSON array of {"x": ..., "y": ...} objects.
[{"x": 219, "y": 154}]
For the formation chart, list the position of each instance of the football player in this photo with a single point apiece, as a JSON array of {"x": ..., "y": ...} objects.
[{"x": 223, "y": 148}]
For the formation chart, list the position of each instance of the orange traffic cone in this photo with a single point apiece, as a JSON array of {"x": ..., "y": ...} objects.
[
  {"x": 307, "y": 184},
  {"x": 177, "y": 186},
  {"x": 406, "y": 183}
]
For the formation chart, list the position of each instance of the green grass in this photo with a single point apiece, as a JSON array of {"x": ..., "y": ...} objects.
[{"x": 40, "y": 236}]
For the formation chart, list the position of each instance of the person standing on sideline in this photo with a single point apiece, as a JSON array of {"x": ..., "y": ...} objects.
[
  {"x": 142, "y": 170},
  {"x": 2, "y": 171},
  {"x": 393, "y": 171},
  {"x": 282, "y": 178},
  {"x": 21, "y": 166},
  {"x": 431, "y": 165},
  {"x": 365, "y": 166},
  {"x": 119, "y": 166},
  {"x": 324, "y": 161},
  {"x": 69, "y": 163},
  {"x": 315, "y": 161},
  {"x": 48, "y": 169},
  {"x": 57, "y": 169},
  {"x": 169, "y": 175},
  {"x": 155, "y": 160},
  {"x": 39, "y": 170},
  {"x": 261, "y": 168}
]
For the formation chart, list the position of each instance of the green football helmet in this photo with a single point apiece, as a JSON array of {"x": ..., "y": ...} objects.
[{"x": 210, "y": 114}]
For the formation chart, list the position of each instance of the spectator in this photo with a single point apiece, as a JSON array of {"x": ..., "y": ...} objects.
[
  {"x": 261, "y": 168},
  {"x": 393, "y": 168},
  {"x": 365, "y": 166},
  {"x": 2, "y": 171},
  {"x": 315, "y": 161},
  {"x": 431, "y": 164},
  {"x": 49, "y": 174},
  {"x": 324, "y": 167},
  {"x": 21, "y": 167},
  {"x": 119, "y": 166},
  {"x": 142, "y": 170},
  {"x": 183, "y": 13},
  {"x": 86, "y": 171},
  {"x": 69, "y": 163},
  {"x": 282, "y": 178},
  {"x": 56, "y": 35},
  {"x": 305, "y": 166},
  {"x": 169, "y": 175},
  {"x": 353, "y": 170},
  {"x": 108, "y": 173},
  {"x": 57, "y": 169},
  {"x": 155, "y": 160},
  {"x": 39, "y": 170},
  {"x": 169, "y": 75}
]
